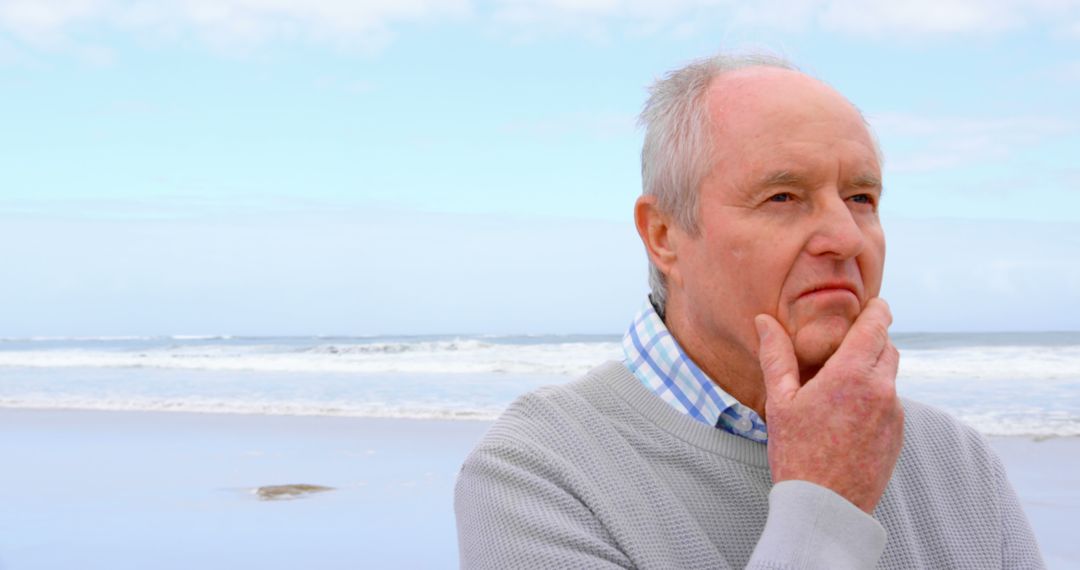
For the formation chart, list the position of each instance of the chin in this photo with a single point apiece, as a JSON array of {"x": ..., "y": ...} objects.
[{"x": 814, "y": 344}]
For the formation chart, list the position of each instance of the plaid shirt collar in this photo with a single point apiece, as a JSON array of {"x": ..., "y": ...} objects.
[{"x": 656, "y": 358}]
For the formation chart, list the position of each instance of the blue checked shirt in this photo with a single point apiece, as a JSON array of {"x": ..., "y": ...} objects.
[{"x": 656, "y": 358}]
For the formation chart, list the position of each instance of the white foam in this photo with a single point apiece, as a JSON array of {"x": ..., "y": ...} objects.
[
  {"x": 1033, "y": 424},
  {"x": 1010, "y": 363},
  {"x": 440, "y": 357},
  {"x": 1001, "y": 390},
  {"x": 112, "y": 338},
  {"x": 472, "y": 356},
  {"x": 202, "y": 405},
  {"x": 74, "y": 338}
]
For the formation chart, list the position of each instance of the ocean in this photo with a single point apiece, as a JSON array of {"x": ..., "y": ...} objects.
[{"x": 999, "y": 383}]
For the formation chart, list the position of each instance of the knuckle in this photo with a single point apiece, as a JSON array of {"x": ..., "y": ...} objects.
[
  {"x": 880, "y": 332},
  {"x": 853, "y": 373},
  {"x": 892, "y": 360},
  {"x": 886, "y": 312},
  {"x": 770, "y": 365},
  {"x": 881, "y": 395},
  {"x": 777, "y": 413}
]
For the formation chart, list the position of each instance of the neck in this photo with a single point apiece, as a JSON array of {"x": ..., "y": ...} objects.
[{"x": 732, "y": 368}]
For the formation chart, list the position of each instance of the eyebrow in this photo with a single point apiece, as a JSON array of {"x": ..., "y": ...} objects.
[
  {"x": 782, "y": 178},
  {"x": 789, "y": 178},
  {"x": 867, "y": 181}
]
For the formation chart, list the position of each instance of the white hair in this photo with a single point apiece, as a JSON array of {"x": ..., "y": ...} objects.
[{"x": 678, "y": 152}]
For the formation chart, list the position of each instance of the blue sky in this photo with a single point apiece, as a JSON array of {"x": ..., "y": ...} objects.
[{"x": 450, "y": 166}]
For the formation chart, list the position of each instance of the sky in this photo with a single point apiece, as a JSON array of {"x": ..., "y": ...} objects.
[{"x": 302, "y": 167}]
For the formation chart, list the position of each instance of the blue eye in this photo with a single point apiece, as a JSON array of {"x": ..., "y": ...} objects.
[
  {"x": 861, "y": 199},
  {"x": 782, "y": 197}
]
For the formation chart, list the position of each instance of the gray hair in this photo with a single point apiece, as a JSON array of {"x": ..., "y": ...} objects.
[{"x": 678, "y": 152}]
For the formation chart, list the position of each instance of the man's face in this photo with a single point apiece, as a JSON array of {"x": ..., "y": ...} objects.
[{"x": 788, "y": 217}]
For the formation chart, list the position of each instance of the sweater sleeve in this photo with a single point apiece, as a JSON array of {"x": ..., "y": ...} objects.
[
  {"x": 810, "y": 526},
  {"x": 512, "y": 512}
]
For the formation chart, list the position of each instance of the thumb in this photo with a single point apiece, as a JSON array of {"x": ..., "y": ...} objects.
[{"x": 777, "y": 358}]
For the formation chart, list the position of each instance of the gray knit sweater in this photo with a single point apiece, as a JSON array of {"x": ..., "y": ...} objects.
[{"x": 600, "y": 473}]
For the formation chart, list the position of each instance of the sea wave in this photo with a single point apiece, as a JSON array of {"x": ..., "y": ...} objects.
[
  {"x": 472, "y": 356},
  {"x": 106, "y": 339},
  {"x": 434, "y": 347},
  {"x": 1000, "y": 389},
  {"x": 14, "y": 339},
  {"x": 1043, "y": 424},
  {"x": 992, "y": 363},
  {"x": 203, "y": 405},
  {"x": 1029, "y": 424},
  {"x": 437, "y": 357}
]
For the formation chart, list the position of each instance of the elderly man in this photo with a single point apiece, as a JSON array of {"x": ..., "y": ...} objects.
[{"x": 754, "y": 421}]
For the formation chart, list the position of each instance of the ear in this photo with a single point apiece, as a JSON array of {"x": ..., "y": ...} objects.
[{"x": 656, "y": 229}]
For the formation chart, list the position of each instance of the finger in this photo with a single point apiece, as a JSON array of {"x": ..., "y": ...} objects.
[
  {"x": 889, "y": 362},
  {"x": 777, "y": 357},
  {"x": 869, "y": 335}
]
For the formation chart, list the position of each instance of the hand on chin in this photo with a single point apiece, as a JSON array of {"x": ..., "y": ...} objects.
[{"x": 815, "y": 341}]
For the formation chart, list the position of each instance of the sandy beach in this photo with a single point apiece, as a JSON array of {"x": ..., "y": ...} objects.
[
  {"x": 135, "y": 490},
  {"x": 118, "y": 490}
]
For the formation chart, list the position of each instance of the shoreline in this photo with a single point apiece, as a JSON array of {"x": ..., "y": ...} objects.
[
  {"x": 463, "y": 418},
  {"x": 198, "y": 413}
]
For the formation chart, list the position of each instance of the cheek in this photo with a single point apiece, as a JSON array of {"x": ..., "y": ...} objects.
[
  {"x": 757, "y": 275},
  {"x": 872, "y": 265},
  {"x": 736, "y": 259},
  {"x": 724, "y": 279}
]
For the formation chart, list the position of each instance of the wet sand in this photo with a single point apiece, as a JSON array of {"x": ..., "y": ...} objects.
[{"x": 117, "y": 490}]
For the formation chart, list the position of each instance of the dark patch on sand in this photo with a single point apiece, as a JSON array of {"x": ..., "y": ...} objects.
[{"x": 293, "y": 491}]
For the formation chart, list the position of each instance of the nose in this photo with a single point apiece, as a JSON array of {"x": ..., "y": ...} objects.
[{"x": 836, "y": 234}]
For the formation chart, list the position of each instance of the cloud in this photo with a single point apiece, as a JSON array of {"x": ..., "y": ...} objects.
[
  {"x": 859, "y": 18},
  {"x": 46, "y": 22},
  {"x": 47, "y": 26},
  {"x": 230, "y": 24},
  {"x": 921, "y": 16},
  {"x": 369, "y": 24},
  {"x": 938, "y": 143}
]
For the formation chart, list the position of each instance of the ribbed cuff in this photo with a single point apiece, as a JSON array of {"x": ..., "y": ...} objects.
[{"x": 810, "y": 526}]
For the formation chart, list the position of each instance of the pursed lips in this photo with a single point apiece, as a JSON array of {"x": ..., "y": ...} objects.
[{"x": 831, "y": 286}]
